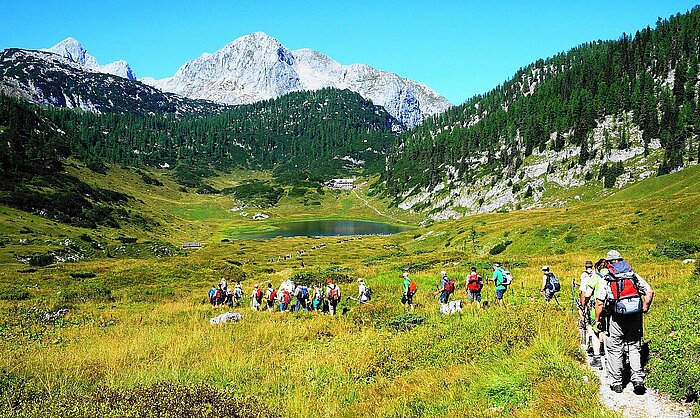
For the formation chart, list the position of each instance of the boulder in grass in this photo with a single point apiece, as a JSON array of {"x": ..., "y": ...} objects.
[
  {"x": 451, "y": 307},
  {"x": 226, "y": 317}
]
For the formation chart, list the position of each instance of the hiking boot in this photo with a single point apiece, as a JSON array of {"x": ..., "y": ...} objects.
[
  {"x": 589, "y": 350},
  {"x": 596, "y": 363},
  {"x": 639, "y": 388},
  {"x": 616, "y": 388}
]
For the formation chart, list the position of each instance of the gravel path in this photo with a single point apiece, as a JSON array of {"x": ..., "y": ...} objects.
[{"x": 649, "y": 405}]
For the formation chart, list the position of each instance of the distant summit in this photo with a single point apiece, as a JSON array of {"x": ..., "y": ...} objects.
[
  {"x": 72, "y": 50},
  {"x": 257, "y": 67}
]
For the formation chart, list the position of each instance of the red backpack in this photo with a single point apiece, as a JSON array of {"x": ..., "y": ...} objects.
[
  {"x": 624, "y": 287},
  {"x": 258, "y": 295},
  {"x": 412, "y": 287},
  {"x": 450, "y": 286},
  {"x": 285, "y": 297},
  {"x": 474, "y": 282},
  {"x": 273, "y": 296},
  {"x": 334, "y": 294}
]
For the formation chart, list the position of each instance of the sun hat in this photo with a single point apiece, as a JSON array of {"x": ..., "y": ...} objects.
[
  {"x": 589, "y": 263},
  {"x": 613, "y": 255},
  {"x": 444, "y": 273},
  {"x": 405, "y": 274},
  {"x": 545, "y": 268}
]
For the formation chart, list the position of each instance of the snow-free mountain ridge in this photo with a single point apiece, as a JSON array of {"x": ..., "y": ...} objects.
[
  {"x": 72, "y": 50},
  {"x": 258, "y": 67}
]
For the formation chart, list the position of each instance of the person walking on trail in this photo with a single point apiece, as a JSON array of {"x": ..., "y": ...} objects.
[
  {"x": 256, "y": 298},
  {"x": 317, "y": 303},
  {"x": 285, "y": 298},
  {"x": 223, "y": 284},
  {"x": 271, "y": 296},
  {"x": 333, "y": 296},
  {"x": 446, "y": 288},
  {"x": 302, "y": 295},
  {"x": 624, "y": 297},
  {"x": 499, "y": 281},
  {"x": 591, "y": 282},
  {"x": 474, "y": 285},
  {"x": 362, "y": 294},
  {"x": 237, "y": 293},
  {"x": 583, "y": 309},
  {"x": 409, "y": 290},
  {"x": 212, "y": 295},
  {"x": 550, "y": 284}
]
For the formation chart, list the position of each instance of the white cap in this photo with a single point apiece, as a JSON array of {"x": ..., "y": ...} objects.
[
  {"x": 444, "y": 273},
  {"x": 405, "y": 274},
  {"x": 545, "y": 268},
  {"x": 613, "y": 255}
]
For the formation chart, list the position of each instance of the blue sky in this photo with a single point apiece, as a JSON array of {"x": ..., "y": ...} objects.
[{"x": 459, "y": 48}]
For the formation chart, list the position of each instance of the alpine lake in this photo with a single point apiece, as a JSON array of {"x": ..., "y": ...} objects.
[{"x": 321, "y": 228}]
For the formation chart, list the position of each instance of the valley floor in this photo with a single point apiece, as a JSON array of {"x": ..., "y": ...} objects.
[{"x": 137, "y": 330}]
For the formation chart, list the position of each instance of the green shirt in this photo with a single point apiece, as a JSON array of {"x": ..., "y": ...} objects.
[
  {"x": 406, "y": 284},
  {"x": 498, "y": 279}
]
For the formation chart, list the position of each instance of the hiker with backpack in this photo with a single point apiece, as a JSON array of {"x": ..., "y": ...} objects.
[
  {"x": 447, "y": 287},
  {"x": 271, "y": 296},
  {"x": 256, "y": 298},
  {"x": 302, "y": 294},
  {"x": 317, "y": 303},
  {"x": 502, "y": 281},
  {"x": 473, "y": 286},
  {"x": 285, "y": 298},
  {"x": 591, "y": 282},
  {"x": 212, "y": 295},
  {"x": 333, "y": 296},
  {"x": 237, "y": 293},
  {"x": 624, "y": 297},
  {"x": 550, "y": 285},
  {"x": 409, "y": 290},
  {"x": 363, "y": 292}
]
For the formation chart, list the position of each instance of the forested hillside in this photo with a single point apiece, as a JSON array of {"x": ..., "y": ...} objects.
[
  {"x": 322, "y": 132},
  {"x": 603, "y": 102}
]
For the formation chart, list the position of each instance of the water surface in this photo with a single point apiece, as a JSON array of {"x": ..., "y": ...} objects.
[{"x": 324, "y": 228}]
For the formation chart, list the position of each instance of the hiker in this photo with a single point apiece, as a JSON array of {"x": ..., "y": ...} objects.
[
  {"x": 550, "y": 285},
  {"x": 237, "y": 293},
  {"x": 333, "y": 296},
  {"x": 591, "y": 281},
  {"x": 447, "y": 286},
  {"x": 212, "y": 295},
  {"x": 285, "y": 298},
  {"x": 271, "y": 296},
  {"x": 625, "y": 297},
  {"x": 317, "y": 303},
  {"x": 256, "y": 298},
  {"x": 473, "y": 287},
  {"x": 223, "y": 284},
  {"x": 362, "y": 291},
  {"x": 500, "y": 282},
  {"x": 409, "y": 290},
  {"x": 302, "y": 295},
  {"x": 228, "y": 301},
  {"x": 219, "y": 296},
  {"x": 302, "y": 264}
]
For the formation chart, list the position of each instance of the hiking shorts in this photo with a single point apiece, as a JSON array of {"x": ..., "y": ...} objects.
[
  {"x": 474, "y": 296},
  {"x": 407, "y": 298},
  {"x": 500, "y": 293},
  {"x": 444, "y": 296},
  {"x": 548, "y": 294}
]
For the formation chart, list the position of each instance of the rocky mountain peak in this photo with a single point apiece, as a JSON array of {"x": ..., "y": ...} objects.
[{"x": 73, "y": 51}]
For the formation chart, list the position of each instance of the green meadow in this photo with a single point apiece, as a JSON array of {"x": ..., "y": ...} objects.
[{"x": 136, "y": 340}]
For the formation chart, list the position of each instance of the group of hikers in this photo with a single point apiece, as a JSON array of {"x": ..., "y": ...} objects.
[{"x": 610, "y": 301}]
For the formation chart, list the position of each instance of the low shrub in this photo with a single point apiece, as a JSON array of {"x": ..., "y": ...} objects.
[
  {"x": 500, "y": 247},
  {"x": 676, "y": 249},
  {"x": 10, "y": 292},
  {"x": 42, "y": 260},
  {"x": 89, "y": 292},
  {"x": 82, "y": 274},
  {"x": 405, "y": 322}
]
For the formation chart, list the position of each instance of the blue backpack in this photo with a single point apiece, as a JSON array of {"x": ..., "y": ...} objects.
[
  {"x": 553, "y": 282},
  {"x": 304, "y": 292}
]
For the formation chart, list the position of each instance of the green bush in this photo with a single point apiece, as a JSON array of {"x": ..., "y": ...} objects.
[
  {"x": 42, "y": 260},
  {"x": 10, "y": 292},
  {"x": 500, "y": 247},
  {"x": 676, "y": 249},
  {"x": 82, "y": 274},
  {"x": 405, "y": 322}
]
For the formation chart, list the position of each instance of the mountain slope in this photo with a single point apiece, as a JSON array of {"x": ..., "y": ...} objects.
[
  {"x": 319, "y": 133},
  {"x": 602, "y": 115},
  {"x": 258, "y": 67},
  {"x": 74, "y": 52},
  {"x": 49, "y": 79}
]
